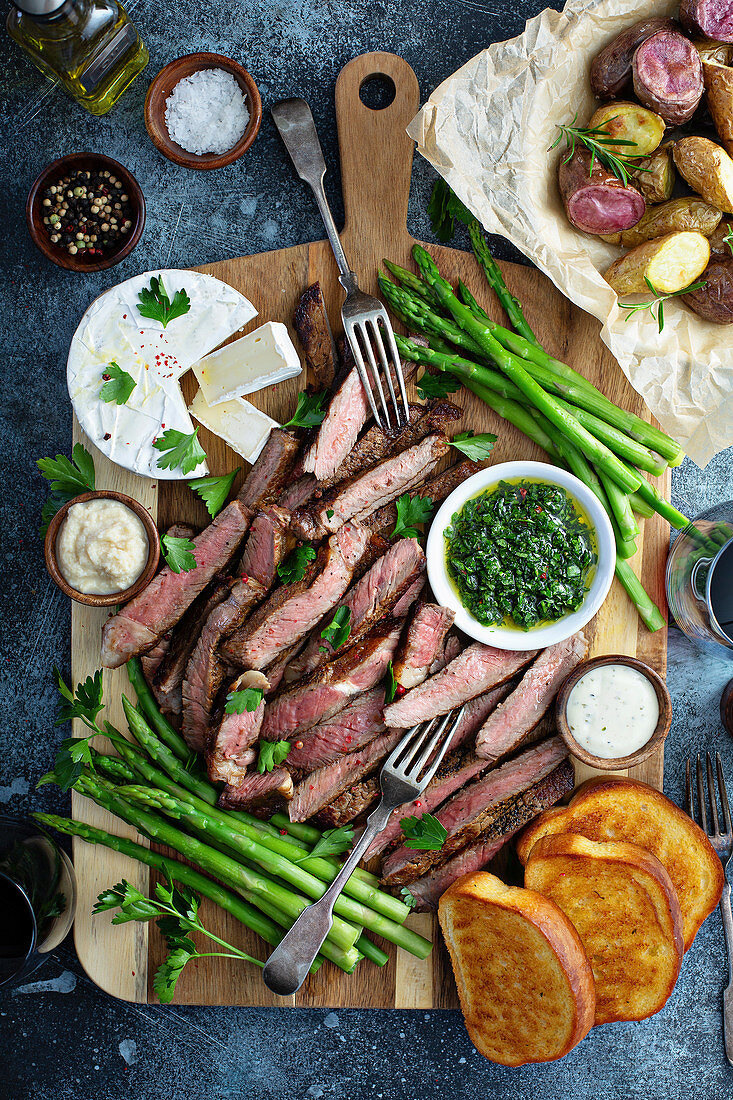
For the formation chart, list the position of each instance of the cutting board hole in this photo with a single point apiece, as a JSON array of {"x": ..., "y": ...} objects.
[{"x": 377, "y": 92}]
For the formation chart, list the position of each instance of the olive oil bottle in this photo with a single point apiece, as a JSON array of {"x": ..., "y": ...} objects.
[{"x": 90, "y": 46}]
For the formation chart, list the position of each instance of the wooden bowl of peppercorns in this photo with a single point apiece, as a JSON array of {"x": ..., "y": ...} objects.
[{"x": 85, "y": 212}]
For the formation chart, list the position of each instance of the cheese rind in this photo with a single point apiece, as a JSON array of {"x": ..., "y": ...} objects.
[
  {"x": 242, "y": 426},
  {"x": 260, "y": 358}
]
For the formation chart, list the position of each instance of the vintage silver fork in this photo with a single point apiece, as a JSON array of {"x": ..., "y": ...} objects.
[
  {"x": 402, "y": 779},
  {"x": 366, "y": 322},
  {"x": 723, "y": 844}
]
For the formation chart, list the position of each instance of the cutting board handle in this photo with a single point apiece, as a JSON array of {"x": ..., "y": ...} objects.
[{"x": 376, "y": 153}]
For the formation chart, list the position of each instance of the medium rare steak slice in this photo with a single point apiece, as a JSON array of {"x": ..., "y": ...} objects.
[
  {"x": 231, "y": 751},
  {"x": 261, "y": 793},
  {"x": 472, "y": 672},
  {"x": 298, "y": 493},
  {"x": 336, "y": 435},
  {"x": 451, "y": 650},
  {"x": 322, "y": 786},
  {"x": 438, "y": 488},
  {"x": 347, "y": 806},
  {"x": 293, "y": 610},
  {"x": 311, "y": 323},
  {"x": 354, "y": 726},
  {"x": 266, "y": 546},
  {"x": 141, "y": 622},
  {"x": 332, "y": 686},
  {"x": 517, "y": 715},
  {"x": 406, "y": 601},
  {"x": 270, "y": 473},
  {"x": 486, "y": 808},
  {"x": 428, "y": 890},
  {"x": 423, "y": 641}
]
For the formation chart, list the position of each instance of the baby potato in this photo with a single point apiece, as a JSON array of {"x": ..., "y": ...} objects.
[
  {"x": 710, "y": 50},
  {"x": 714, "y": 300},
  {"x": 718, "y": 81},
  {"x": 629, "y": 122},
  {"x": 670, "y": 263},
  {"x": 655, "y": 175},
  {"x": 708, "y": 169},
  {"x": 670, "y": 217},
  {"x": 718, "y": 244}
]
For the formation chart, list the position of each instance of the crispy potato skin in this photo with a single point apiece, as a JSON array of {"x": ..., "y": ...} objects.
[
  {"x": 714, "y": 301},
  {"x": 667, "y": 74},
  {"x": 719, "y": 89},
  {"x": 674, "y": 216},
  {"x": 656, "y": 175},
  {"x": 711, "y": 50},
  {"x": 718, "y": 243},
  {"x": 610, "y": 71},
  {"x": 596, "y": 202},
  {"x": 670, "y": 263},
  {"x": 708, "y": 169},
  {"x": 701, "y": 18},
  {"x": 630, "y": 122}
]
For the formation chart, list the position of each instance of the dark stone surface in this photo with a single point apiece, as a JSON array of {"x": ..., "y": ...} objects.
[{"x": 60, "y": 1037}]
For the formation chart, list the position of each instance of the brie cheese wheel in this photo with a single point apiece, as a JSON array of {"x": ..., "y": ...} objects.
[
  {"x": 113, "y": 331},
  {"x": 243, "y": 427},
  {"x": 260, "y": 358}
]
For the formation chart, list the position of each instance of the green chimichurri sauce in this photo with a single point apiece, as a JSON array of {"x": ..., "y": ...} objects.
[{"x": 520, "y": 554}]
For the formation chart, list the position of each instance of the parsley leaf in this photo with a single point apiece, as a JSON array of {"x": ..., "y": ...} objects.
[
  {"x": 214, "y": 490},
  {"x": 411, "y": 510},
  {"x": 178, "y": 553},
  {"x": 423, "y": 833},
  {"x": 391, "y": 684},
  {"x": 85, "y": 702},
  {"x": 309, "y": 411},
  {"x": 154, "y": 302},
  {"x": 240, "y": 701},
  {"x": 407, "y": 897},
  {"x": 183, "y": 450},
  {"x": 332, "y": 843},
  {"x": 444, "y": 208},
  {"x": 73, "y": 754},
  {"x": 294, "y": 566},
  {"x": 169, "y": 971},
  {"x": 437, "y": 385},
  {"x": 68, "y": 477},
  {"x": 338, "y": 629},
  {"x": 475, "y": 447},
  {"x": 329, "y": 513},
  {"x": 118, "y": 385},
  {"x": 270, "y": 754}
]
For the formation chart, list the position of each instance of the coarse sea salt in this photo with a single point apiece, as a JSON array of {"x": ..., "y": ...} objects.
[{"x": 206, "y": 112}]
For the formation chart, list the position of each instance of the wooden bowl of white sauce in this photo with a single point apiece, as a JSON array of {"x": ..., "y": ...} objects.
[{"x": 613, "y": 712}]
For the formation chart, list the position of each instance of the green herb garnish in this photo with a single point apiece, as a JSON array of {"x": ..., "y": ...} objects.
[
  {"x": 118, "y": 385},
  {"x": 338, "y": 629},
  {"x": 437, "y": 385},
  {"x": 390, "y": 684},
  {"x": 181, "y": 450},
  {"x": 214, "y": 490},
  {"x": 444, "y": 209},
  {"x": 271, "y": 753},
  {"x": 154, "y": 302},
  {"x": 475, "y": 447},
  {"x": 309, "y": 411},
  {"x": 332, "y": 843},
  {"x": 84, "y": 703},
  {"x": 658, "y": 301},
  {"x": 411, "y": 510},
  {"x": 68, "y": 478},
  {"x": 598, "y": 140},
  {"x": 294, "y": 566},
  {"x": 408, "y": 898},
  {"x": 423, "y": 833},
  {"x": 246, "y": 700},
  {"x": 728, "y": 238},
  {"x": 178, "y": 553}
]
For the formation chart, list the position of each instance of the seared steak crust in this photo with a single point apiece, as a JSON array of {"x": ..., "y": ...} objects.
[
  {"x": 311, "y": 323},
  {"x": 320, "y": 787},
  {"x": 267, "y": 478},
  {"x": 348, "y": 730}
]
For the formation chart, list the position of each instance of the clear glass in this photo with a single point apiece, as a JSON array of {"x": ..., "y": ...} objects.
[{"x": 700, "y": 578}]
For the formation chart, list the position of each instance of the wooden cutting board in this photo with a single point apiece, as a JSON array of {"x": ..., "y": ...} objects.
[{"x": 376, "y": 164}]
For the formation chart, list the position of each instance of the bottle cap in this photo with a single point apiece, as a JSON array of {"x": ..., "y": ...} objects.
[{"x": 40, "y": 8}]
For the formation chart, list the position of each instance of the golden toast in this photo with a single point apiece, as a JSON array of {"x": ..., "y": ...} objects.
[
  {"x": 623, "y": 904},
  {"x": 524, "y": 980},
  {"x": 614, "y": 808}
]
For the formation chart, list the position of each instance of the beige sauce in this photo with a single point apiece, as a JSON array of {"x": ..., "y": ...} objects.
[
  {"x": 102, "y": 547},
  {"x": 613, "y": 710}
]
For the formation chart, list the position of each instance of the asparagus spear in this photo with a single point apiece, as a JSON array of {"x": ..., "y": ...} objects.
[
  {"x": 167, "y": 734},
  {"x": 495, "y": 279},
  {"x": 621, "y": 507}
]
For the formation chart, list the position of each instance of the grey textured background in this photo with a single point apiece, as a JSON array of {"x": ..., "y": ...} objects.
[{"x": 60, "y": 1037}]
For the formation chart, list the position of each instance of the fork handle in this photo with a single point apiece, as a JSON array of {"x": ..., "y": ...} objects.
[
  {"x": 727, "y": 917},
  {"x": 288, "y": 965}
]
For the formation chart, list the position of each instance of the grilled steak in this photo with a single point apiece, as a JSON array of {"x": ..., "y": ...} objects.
[
  {"x": 270, "y": 473},
  {"x": 438, "y": 488},
  {"x": 293, "y": 610},
  {"x": 348, "y": 730},
  {"x": 486, "y": 808},
  {"x": 516, "y": 716},
  {"x": 330, "y": 687},
  {"x": 266, "y": 546},
  {"x": 297, "y": 493},
  {"x": 450, "y": 651},
  {"x": 231, "y": 752},
  {"x": 428, "y": 890},
  {"x": 347, "y": 806},
  {"x": 336, "y": 435},
  {"x": 423, "y": 641},
  {"x": 260, "y": 793},
  {"x": 320, "y": 787},
  {"x": 144, "y": 620},
  {"x": 367, "y": 601},
  {"x": 475, "y": 670},
  {"x": 405, "y": 602},
  {"x": 311, "y": 323}
]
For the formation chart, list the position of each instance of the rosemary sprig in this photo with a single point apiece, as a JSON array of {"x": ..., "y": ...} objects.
[
  {"x": 598, "y": 140},
  {"x": 658, "y": 300},
  {"x": 728, "y": 238}
]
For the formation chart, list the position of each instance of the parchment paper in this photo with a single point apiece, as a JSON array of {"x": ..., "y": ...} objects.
[{"x": 487, "y": 130}]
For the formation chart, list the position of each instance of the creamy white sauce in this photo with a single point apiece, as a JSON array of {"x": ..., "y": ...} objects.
[
  {"x": 613, "y": 710},
  {"x": 102, "y": 547}
]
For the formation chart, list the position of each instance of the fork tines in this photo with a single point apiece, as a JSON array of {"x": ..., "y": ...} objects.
[
  {"x": 367, "y": 329},
  {"x": 403, "y": 758},
  {"x": 711, "y": 800}
]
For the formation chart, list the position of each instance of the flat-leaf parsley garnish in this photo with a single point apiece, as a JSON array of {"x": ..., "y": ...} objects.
[{"x": 153, "y": 301}]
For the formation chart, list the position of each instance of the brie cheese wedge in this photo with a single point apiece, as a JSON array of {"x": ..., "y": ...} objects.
[
  {"x": 243, "y": 427},
  {"x": 258, "y": 359}
]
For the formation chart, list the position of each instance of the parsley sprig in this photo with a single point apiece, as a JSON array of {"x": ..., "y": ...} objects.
[
  {"x": 437, "y": 385},
  {"x": 390, "y": 684},
  {"x": 658, "y": 301},
  {"x": 294, "y": 566},
  {"x": 68, "y": 478},
  {"x": 153, "y": 301},
  {"x": 338, "y": 629},
  {"x": 601, "y": 144},
  {"x": 475, "y": 447},
  {"x": 214, "y": 490},
  {"x": 180, "y": 450},
  {"x": 423, "y": 833},
  {"x": 117, "y": 385},
  {"x": 331, "y": 843},
  {"x": 83, "y": 703},
  {"x": 411, "y": 510},
  {"x": 309, "y": 411},
  {"x": 248, "y": 699},
  {"x": 178, "y": 553},
  {"x": 270, "y": 754}
]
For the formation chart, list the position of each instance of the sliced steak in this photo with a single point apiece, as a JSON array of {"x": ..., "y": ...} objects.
[
  {"x": 336, "y": 435},
  {"x": 472, "y": 672},
  {"x": 260, "y": 793},
  {"x": 231, "y": 750},
  {"x": 517, "y": 715},
  {"x": 144, "y": 620},
  {"x": 293, "y": 610},
  {"x": 267, "y": 544},
  {"x": 428, "y": 890},
  {"x": 485, "y": 808},
  {"x": 451, "y": 650},
  {"x": 437, "y": 488},
  {"x": 311, "y": 323},
  {"x": 350, "y": 729},
  {"x": 320, "y": 787},
  {"x": 269, "y": 475},
  {"x": 329, "y": 688},
  {"x": 347, "y": 806},
  {"x": 298, "y": 493},
  {"x": 423, "y": 641},
  {"x": 405, "y": 602}
]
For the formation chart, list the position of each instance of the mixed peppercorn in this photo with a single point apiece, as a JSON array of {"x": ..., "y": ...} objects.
[{"x": 87, "y": 213}]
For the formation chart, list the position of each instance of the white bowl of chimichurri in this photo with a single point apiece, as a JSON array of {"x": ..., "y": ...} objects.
[{"x": 523, "y": 552}]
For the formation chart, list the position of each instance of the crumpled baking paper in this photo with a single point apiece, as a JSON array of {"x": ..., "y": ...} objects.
[{"x": 487, "y": 131}]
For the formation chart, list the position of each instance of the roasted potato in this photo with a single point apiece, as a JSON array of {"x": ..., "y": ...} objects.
[
  {"x": 708, "y": 18},
  {"x": 669, "y": 263},
  {"x": 667, "y": 74},
  {"x": 710, "y": 50},
  {"x": 610, "y": 71},
  {"x": 718, "y": 243},
  {"x": 629, "y": 122},
  {"x": 708, "y": 169},
  {"x": 655, "y": 175},
  {"x": 714, "y": 301},
  {"x": 596, "y": 202},
  {"x": 675, "y": 216},
  {"x": 719, "y": 88}
]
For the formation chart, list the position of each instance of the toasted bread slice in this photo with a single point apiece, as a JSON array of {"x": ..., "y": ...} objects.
[
  {"x": 614, "y": 808},
  {"x": 623, "y": 904},
  {"x": 524, "y": 980}
]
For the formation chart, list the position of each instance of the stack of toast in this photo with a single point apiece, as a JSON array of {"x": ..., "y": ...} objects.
[{"x": 616, "y": 886}]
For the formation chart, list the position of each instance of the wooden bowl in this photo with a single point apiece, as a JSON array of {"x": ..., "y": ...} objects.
[
  {"x": 616, "y": 763},
  {"x": 49, "y": 549},
  {"x": 162, "y": 86},
  {"x": 39, "y": 232}
]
